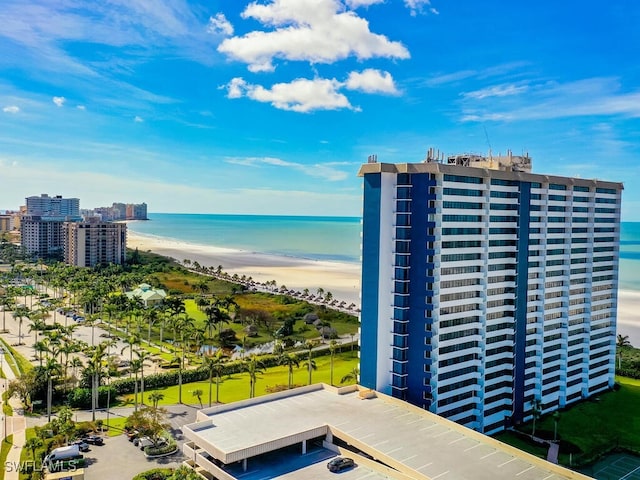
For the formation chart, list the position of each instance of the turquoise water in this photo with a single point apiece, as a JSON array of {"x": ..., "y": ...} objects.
[
  {"x": 320, "y": 238},
  {"x": 630, "y": 256}
]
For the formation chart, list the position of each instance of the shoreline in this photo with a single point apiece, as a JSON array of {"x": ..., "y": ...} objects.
[{"x": 342, "y": 279}]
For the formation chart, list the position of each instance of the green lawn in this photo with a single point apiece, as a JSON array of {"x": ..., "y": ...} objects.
[
  {"x": 4, "y": 451},
  {"x": 236, "y": 387},
  {"x": 612, "y": 419}
]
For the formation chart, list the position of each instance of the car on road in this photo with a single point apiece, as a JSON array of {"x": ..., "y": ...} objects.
[
  {"x": 93, "y": 440},
  {"x": 340, "y": 463}
]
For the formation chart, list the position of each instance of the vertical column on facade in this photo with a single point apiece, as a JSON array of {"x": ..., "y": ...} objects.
[{"x": 401, "y": 271}]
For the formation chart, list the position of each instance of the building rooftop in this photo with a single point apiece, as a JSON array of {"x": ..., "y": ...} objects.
[
  {"x": 479, "y": 168},
  {"x": 394, "y": 439}
]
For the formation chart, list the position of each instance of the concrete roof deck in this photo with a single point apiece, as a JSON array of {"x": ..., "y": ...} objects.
[{"x": 413, "y": 441}]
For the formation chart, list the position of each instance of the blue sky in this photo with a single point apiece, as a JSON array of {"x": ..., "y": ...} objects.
[{"x": 269, "y": 107}]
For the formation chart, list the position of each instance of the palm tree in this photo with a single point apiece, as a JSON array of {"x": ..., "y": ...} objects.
[
  {"x": 135, "y": 367},
  {"x": 185, "y": 326},
  {"x": 310, "y": 363},
  {"x": 152, "y": 315},
  {"x": 623, "y": 341},
  {"x": 40, "y": 348},
  {"x": 352, "y": 376},
  {"x": 20, "y": 313},
  {"x": 290, "y": 360},
  {"x": 131, "y": 340},
  {"x": 142, "y": 355},
  {"x": 254, "y": 368},
  {"x": 556, "y": 419},
  {"x": 198, "y": 394},
  {"x": 7, "y": 303},
  {"x": 536, "y": 411},
  {"x": 215, "y": 365},
  {"x": 94, "y": 367},
  {"x": 333, "y": 346},
  {"x": 155, "y": 398},
  {"x": 51, "y": 368}
]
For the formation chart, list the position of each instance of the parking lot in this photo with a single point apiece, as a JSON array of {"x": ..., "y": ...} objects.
[{"x": 119, "y": 458}]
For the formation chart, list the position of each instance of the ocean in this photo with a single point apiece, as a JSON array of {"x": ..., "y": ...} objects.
[{"x": 317, "y": 238}]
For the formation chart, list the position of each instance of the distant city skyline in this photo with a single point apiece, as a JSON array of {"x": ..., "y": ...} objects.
[{"x": 270, "y": 107}]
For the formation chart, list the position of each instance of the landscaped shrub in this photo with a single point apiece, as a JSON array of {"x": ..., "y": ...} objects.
[
  {"x": 81, "y": 397},
  {"x": 155, "y": 474}
]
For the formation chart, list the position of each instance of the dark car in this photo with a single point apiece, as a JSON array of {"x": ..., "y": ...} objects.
[
  {"x": 82, "y": 445},
  {"x": 93, "y": 440},
  {"x": 340, "y": 463}
]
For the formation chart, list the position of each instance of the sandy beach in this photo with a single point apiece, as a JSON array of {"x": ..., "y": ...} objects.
[{"x": 341, "y": 279}]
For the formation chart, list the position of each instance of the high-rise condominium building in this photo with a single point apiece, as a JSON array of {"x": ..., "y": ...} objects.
[
  {"x": 46, "y": 206},
  {"x": 41, "y": 237},
  {"x": 94, "y": 242},
  {"x": 487, "y": 293}
]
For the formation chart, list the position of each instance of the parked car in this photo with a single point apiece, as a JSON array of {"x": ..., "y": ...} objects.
[
  {"x": 93, "y": 439},
  {"x": 144, "y": 442},
  {"x": 82, "y": 445},
  {"x": 340, "y": 463}
]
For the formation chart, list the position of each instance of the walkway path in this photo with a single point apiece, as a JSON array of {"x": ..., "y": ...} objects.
[{"x": 13, "y": 425}]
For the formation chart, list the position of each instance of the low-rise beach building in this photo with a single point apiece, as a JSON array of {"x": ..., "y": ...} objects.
[
  {"x": 150, "y": 296},
  {"x": 293, "y": 434}
]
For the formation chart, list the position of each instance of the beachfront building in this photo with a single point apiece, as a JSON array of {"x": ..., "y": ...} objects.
[
  {"x": 94, "y": 242},
  {"x": 489, "y": 292},
  {"x": 42, "y": 237},
  {"x": 150, "y": 296},
  {"x": 53, "y": 207},
  {"x": 136, "y": 211},
  {"x": 122, "y": 211},
  {"x": 294, "y": 434}
]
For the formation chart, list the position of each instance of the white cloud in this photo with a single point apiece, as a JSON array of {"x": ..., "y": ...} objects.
[
  {"x": 317, "y": 31},
  {"x": 300, "y": 95},
  {"x": 219, "y": 25},
  {"x": 548, "y": 100},
  {"x": 496, "y": 91},
  {"x": 362, "y": 3},
  {"x": 372, "y": 81},
  {"x": 59, "y": 101},
  {"x": 11, "y": 109},
  {"x": 81, "y": 107},
  {"x": 419, "y": 6},
  {"x": 317, "y": 170},
  {"x": 236, "y": 88},
  {"x": 138, "y": 119}
]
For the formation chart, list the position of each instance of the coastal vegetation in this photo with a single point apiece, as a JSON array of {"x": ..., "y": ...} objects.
[{"x": 211, "y": 330}]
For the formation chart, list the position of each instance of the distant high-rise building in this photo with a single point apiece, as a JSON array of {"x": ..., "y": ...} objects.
[
  {"x": 487, "y": 293},
  {"x": 58, "y": 207},
  {"x": 42, "y": 237},
  {"x": 136, "y": 211},
  {"x": 95, "y": 242},
  {"x": 119, "y": 211}
]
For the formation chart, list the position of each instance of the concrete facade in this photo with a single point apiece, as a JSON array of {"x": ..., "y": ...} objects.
[
  {"x": 93, "y": 242},
  {"x": 487, "y": 293}
]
